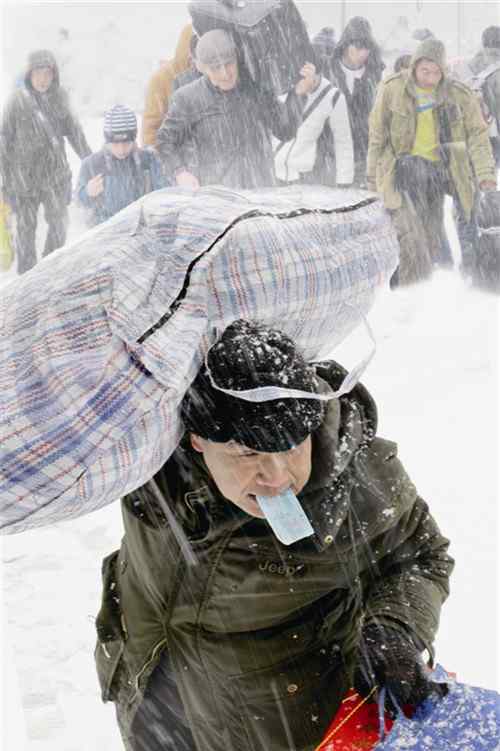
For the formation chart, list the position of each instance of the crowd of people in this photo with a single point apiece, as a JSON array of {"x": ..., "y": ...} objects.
[{"x": 413, "y": 135}]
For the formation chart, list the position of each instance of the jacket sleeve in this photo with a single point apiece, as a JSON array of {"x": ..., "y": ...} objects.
[
  {"x": 344, "y": 153},
  {"x": 412, "y": 578},
  {"x": 158, "y": 93},
  {"x": 378, "y": 135},
  {"x": 478, "y": 142},
  {"x": 86, "y": 173},
  {"x": 6, "y": 143},
  {"x": 75, "y": 135},
  {"x": 282, "y": 118},
  {"x": 493, "y": 96},
  {"x": 174, "y": 140},
  {"x": 158, "y": 179}
]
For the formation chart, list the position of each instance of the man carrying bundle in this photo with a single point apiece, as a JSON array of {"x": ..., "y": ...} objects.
[
  {"x": 218, "y": 128},
  {"x": 280, "y": 555}
]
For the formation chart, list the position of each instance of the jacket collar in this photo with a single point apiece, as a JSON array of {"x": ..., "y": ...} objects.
[{"x": 441, "y": 93}]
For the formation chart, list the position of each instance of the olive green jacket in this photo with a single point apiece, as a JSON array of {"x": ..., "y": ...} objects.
[
  {"x": 261, "y": 636},
  {"x": 393, "y": 123}
]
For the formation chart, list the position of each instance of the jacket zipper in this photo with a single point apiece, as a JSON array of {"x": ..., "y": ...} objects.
[{"x": 141, "y": 672}]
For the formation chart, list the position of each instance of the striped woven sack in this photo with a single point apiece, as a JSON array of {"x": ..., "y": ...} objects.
[{"x": 101, "y": 339}]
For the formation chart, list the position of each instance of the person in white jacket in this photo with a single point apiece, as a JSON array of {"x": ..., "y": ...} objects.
[{"x": 296, "y": 160}]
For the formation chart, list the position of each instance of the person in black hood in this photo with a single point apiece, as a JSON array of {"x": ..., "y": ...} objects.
[
  {"x": 35, "y": 170},
  {"x": 357, "y": 70}
]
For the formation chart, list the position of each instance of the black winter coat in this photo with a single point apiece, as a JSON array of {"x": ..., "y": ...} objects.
[
  {"x": 362, "y": 98},
  {"x": 34, "y": 127},
  {"x": 224, "y": 137}
]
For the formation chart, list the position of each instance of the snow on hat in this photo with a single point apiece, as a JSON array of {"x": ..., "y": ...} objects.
[
  {"x": 248, "y": 356},
  {"x": 120, "y": 124},
  {"x": 491, "y": 36},
  {"x": 432, "y": 49},
  {"x": 214, "y": 48},
  {"x": 324, "y": 41}
]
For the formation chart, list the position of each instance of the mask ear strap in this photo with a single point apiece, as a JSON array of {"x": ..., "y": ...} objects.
[{"x": 268, "y": 393}]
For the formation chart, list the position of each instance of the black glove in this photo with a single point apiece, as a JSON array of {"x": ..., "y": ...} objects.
[{"x": 387, "y": 658}]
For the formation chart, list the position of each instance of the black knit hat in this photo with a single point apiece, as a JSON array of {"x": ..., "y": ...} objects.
[
  {"x": 120, "y": 124},
  {"x": 324, "y": 41},
  {"x": 491, "y": 37},
  {"x": 249, "y": 356}
]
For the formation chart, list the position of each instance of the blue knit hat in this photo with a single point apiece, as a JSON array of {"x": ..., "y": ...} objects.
[{"x": 120, "y": 124}]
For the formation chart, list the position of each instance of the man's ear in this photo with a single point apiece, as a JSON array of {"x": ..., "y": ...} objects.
[
  {"x": 199, "y": 66},
  {"x": 197, "y": 442}
]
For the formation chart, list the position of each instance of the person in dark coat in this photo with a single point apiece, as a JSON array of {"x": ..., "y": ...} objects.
[
  {"x": 357, "y": 70},
  {"x": 218, "y": 129},
  {"x": 279, "y": 555},
  {"x": 119, "y": 173},
  {"x": 35, "y": 170},
  {"x": 485, "y": 66}
]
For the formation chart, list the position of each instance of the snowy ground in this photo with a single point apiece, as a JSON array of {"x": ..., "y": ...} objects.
[{"x": 435, "y": 378}]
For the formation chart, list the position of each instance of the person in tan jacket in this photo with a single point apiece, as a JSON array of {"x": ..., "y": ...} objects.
[
  {"x": 161, "y": 86},
  {"x": 427, "y": 138}
]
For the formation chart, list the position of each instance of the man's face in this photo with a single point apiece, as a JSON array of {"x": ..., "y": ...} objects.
[
  {"x": 121, "y": 149},
  {"x": 355, "y": 56},
  {"x": 41, "y": 79},
  {"x": 241, "y": 473},
  {"x": 224, "y": 76},
  {"x": 427, "y": 74}
]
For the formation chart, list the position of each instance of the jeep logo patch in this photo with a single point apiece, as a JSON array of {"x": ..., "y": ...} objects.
[{"x": 282, "y": 569}]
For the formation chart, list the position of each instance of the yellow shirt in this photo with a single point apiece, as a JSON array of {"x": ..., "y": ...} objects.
[{"x": 426, "y": 139}]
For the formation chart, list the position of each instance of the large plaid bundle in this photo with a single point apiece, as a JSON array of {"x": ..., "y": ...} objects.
[{"x": 101, "y": 339}]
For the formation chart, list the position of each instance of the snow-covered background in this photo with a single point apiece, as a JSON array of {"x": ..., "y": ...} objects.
[{"x": 435, "y": 378}]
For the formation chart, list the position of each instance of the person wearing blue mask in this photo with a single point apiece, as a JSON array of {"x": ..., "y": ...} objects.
[{"x": 280, "y": 555}]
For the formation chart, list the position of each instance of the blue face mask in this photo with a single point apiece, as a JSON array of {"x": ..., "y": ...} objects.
[{"x": 286, "y": 517}]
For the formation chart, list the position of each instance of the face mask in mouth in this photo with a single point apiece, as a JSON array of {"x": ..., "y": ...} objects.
[{"x": 286, "y": 517}]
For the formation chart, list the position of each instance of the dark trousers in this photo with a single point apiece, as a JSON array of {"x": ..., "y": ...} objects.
[
  {"x": 419, "y": 222},
  {"x": 160, "y": 723},
  {"x": 56, "y": 215},
  {"x": 467, "y": 237}
]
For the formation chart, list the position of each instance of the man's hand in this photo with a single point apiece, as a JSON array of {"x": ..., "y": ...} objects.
[
  {"x": 185, "y": 179},
  {"x": 95, "y": 186},
  {"x": 487, "y": 185},
  {"x": 309, "y": 80},
  {"x": 387, "y": 658}
]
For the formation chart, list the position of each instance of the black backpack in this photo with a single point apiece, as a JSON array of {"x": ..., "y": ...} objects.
[
  {"x": 270, "y": 35},
  {"x": 487, "y": 219}
]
